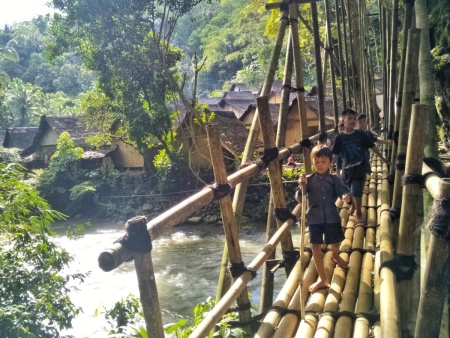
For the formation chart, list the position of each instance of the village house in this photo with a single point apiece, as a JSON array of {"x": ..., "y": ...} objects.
[
  {"x": 233, "y": 136},
  {"x": 18, "y": 137},
  {"x": 118, "y": 155}
]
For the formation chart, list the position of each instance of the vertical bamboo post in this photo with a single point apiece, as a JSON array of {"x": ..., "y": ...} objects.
[
  {"x": 329, "y": 47},
  {"x": 229, "y": 222},
  {"x": 293, "y": 12},
  {"x": 409, "y": 93},
  {"x": 344, "y": 12},
  {"x": 317, "y": 57},
  {"x": 279, "y": 199},
  {"x": 434, "y": 289},
  {"x": 411, "y": 192},
  {"x": 341, "y": 56},
  {"x": 398, "y": 103},
  {"x": 137, "y": 227},
  {"x": 241, "y": 189},
  {"x": 393, "y": 65}
]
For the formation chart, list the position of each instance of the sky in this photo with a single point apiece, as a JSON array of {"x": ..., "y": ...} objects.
[{"x": 13, "y": 11}]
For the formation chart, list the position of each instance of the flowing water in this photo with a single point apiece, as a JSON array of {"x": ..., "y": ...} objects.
[{"x": 186, "y": 261}]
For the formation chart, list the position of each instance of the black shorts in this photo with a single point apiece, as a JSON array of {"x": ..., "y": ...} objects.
[
  {"x": 333, "y": 233},
  {"x": 355, "y": 179}
]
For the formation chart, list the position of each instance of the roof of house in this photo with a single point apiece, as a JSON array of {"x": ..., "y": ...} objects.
[
  {"x": 233, "y": 133},
  {"x": 73, "y": 125},
  {"x": 239, "y": 105},
  {"x": 238, "y": 87},
  {"x": 313, "y": 103},
  {"x": 19, "y": 137},
  {"x": 274, "y": 111},
  {"x": 241, "y": 95}
]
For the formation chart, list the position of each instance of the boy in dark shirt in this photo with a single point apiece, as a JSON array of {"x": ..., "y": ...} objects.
[
  {"x": 322, "y": 190},
  {"x": 361, "y": 121},
  {"x": 351, "y": 144}
]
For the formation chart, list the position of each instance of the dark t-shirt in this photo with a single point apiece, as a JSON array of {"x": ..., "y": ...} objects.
[{"x": 352, "y": 147}]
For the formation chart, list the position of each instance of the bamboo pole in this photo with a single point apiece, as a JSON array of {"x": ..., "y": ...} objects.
[
  {"x": 411, "y": 192},
  {"x": 393, "y": 65},
  {"x": 332, "y": 65},
  {"x": 148, "y": 292},
  {"x": 279, "y": 199},
  {"x": 229, "y": 223},
  {"x": 267, "y": 282},
  {"x": 272, "y": 318},
  {"x": 408, "y": 97},
  {"x": 389, "y": 317},
  {"x": 293, "y": 12},
  {"x": 340, "y": 18},
  {"x": 318, "y": 62},
  {"x": 348, "y": 64},
  {"x": 398, "y": 103},
  {"x": 215, "y": 315}
]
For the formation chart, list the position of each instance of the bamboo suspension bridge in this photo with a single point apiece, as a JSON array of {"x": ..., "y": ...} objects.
[{"x": 382, "y": 293}]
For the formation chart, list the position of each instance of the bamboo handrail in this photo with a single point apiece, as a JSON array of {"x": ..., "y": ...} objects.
[
  {"x": 112, "y": 257},
  {"x": 215, "y": 315}
]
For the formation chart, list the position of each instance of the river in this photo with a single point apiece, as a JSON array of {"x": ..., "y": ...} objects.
[{"x": 186, "y": 261}]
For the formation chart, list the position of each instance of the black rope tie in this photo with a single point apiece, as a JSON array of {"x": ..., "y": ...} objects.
[
  {"x": 237, "y": 269},
  {"x": 220, "y": 190},
  {"x": 291, "y": 257},
  {"x": 269, "y": 155},
  {"x": 284, "y": 5},
  {"x": 137, "y": 237},
  {"x": 403, "y": 266},
  {"x": 394, "y": 213},
  {"x": 323, "y": 137},
  {"x": 293, "y": 89},
  {"x": 289, "y": 150},
  {"x": 440, "y": 222},
  {"x": 306, "y": 143},
  {"x": 400, "y": 161},
  {"x": 413, "y": 179},
  {"x": 283, "y": 214}
]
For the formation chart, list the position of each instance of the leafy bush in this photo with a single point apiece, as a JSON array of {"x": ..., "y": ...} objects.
[
  {"x": 34, "y": 299},
  {"x": 10, "y": 155}
]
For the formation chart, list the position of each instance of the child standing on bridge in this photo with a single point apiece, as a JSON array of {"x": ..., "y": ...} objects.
[
  {"x": 322, "y": 190},
  {"x": 351, "y": 144},
  {"x": 362, "y": 125}
]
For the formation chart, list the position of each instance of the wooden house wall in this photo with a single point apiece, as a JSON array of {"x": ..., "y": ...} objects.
[
  {"x": 50, "y": 138},
  {"x": 126, "y": 156},
  {"x": 200, "y": 156}
]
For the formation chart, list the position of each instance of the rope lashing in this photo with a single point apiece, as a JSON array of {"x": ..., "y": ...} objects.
[
  {"x": 414, "y": 179},
  {"x": 137, "y": 237},
  {"x": 284, "y": 5},
  {"x": 439, "y": 225},
  {"x": 219, "y": 190},
  {"x": 400, "y": 162},
  {"x": 306, "y": 143},
  {"x": 283, "y": 214},
  {"x": 269, "y": 155},
  {"x": 293, "y": 89},
  {"x": 403, "y": 266},
  {"x": 394, "y": 213},
  {"x": 395, "y": 136},
  {"x": 436, "y": 166},
  {"x": 323, "y": 137},
  {"x": 291, "y": 256},
  {"x": 237, "y": 269}
]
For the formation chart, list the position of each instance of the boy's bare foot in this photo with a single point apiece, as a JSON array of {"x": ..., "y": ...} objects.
[
  {"x": 359, "y": 219},
  {"x": 351, "y": 210},
  {"x": 319, "y": 285},
  {"x": 340, "y": 262}
]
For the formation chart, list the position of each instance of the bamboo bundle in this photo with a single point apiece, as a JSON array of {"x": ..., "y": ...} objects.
[
  {"x": 316, "y": 303},
  {"x": 229, "y": 222},
  {"x": 271, "y": 320},
  {"x": 389, "y": 318},
  {"x": 365, "y": 297},
  {"x": 239, "y": 285},
  {"x": 289, "y": 322}
]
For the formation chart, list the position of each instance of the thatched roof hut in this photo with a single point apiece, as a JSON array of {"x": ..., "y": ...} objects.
[{"x": 19, "y": 137}]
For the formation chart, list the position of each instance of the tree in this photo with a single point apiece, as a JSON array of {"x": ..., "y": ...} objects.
[
  {"x": 128, "y": 44},
  {"x": 21, "y": 100},
  {"x": 34, "y": 299}
]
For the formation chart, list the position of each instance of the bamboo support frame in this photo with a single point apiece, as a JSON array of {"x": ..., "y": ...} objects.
[
  {"x": 229, "y": 223},
  {"x": 408, "y": 218},
  {"x": 408, "y": 97},
  {"x": 241, "y": 282}
]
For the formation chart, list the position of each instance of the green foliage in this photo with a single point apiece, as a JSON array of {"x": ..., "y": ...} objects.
[
  {"x": 123, "y": 315},
  {"x": 34, "y": 291},
  {"x": 10, "y": 155}
]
